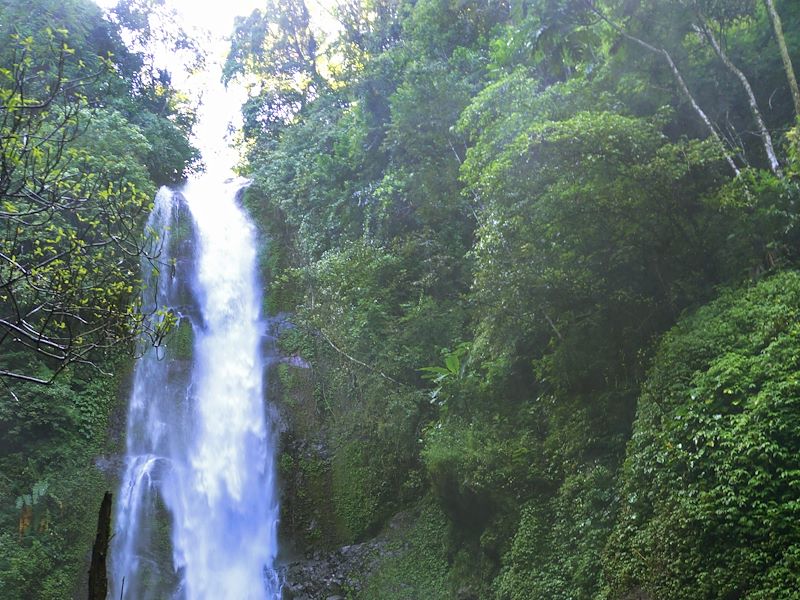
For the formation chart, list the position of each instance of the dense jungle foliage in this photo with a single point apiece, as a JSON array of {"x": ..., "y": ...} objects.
[
  {"x": 88, "y": 129},
  {"x": 539, "y": 260},
  {"x": 536, "y": 263}
]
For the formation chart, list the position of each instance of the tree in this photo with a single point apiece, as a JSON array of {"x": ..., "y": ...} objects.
[
  {"x": 703, "y": 27},
  {"x": 677, "y": 74},
  {"x": 277, "y": 48},
  {"x": 71, "y": 214},
  {"x": 777, "y": 26}
]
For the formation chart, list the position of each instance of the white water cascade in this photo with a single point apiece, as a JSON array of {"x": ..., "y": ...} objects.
[{"x": 197, "y": 510}]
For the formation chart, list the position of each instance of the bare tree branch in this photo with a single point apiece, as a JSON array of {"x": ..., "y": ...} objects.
[
  {"x": 704, "y": 31},
  {"x": 663, "y": 53},
  {"x": 70, "y": 241},
  {"x": 356, "y": 361}
]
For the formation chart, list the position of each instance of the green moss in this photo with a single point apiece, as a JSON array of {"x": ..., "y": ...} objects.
[
  {"x": 307, "y": 514},
  {"x": 283, "y": 289},
  {"x": 180, "y": 341},
  {"x": 157, "y": 574},
  {"x": 415, "y": 564},
  {"x": 286, "y": 465},
  {"x": 293, "y": 389},
  {"x": 557, "y": 548},
  {"x": 181, "y": 230},
  {"x": 54, "y": 436},
  {"x": 472, "y": 465},
  {"x": 359, "y": 486}
]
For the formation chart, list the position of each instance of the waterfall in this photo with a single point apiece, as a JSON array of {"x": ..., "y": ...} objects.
[{"x": 197, "y": 509}]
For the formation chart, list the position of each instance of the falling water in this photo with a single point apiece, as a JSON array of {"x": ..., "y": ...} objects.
[{"x": 197, "y": 511}]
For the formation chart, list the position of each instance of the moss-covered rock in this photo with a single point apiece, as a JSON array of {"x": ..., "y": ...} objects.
[
  {"x": 359, "y": 489},
  {"x": 59, "y": 458},
  {"x": 180, "y": 341},
  {"x": 415, "y": 563}
]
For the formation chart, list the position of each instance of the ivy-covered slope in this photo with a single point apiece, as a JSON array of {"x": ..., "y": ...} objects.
[{"x": 709, "y": 488}]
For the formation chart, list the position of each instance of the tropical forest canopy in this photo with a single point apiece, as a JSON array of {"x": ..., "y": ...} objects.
[{"x": 537, "y": 261}]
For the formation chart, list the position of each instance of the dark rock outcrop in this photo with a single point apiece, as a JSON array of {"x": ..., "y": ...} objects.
[{"x": 332, "y": 575}]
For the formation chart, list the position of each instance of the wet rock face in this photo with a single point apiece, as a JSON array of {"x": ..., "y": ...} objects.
[
  {"x": 331, "y": 575},
  {"x": 182, "y": 250}
]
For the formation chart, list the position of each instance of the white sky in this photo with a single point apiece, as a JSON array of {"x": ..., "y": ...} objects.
[{"x": 220, "y": 107}]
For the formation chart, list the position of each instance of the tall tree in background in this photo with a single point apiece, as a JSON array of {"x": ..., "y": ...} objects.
[{"x": 787, "y": 60}]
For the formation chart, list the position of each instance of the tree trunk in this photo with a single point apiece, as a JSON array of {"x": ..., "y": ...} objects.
[
  {"x": 98, "y": 578},
  {"x": 678, "y": 78},
  {"x": 787, "y": 61},
  {"x": 766, "y": 138}
]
